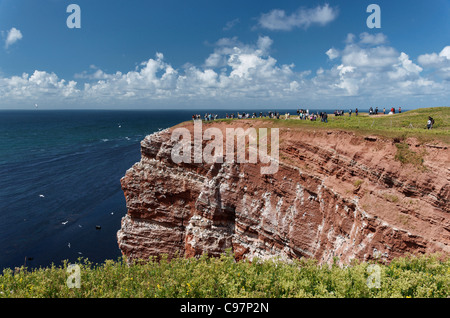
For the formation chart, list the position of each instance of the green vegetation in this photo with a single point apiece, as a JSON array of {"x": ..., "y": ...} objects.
[
  {"x": 400, "y": 126},
  {"x": 391, "y": 197},
  {"x": 407, "y": 156},
  {"x": 423, "y": 276},
  {"x": 358, "y": 183}
]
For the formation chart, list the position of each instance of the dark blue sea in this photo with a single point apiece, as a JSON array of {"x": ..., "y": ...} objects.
[{"x": 60, "y": 178}]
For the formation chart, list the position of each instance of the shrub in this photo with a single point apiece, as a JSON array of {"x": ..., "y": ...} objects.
[{"x": 422, "y": 276}]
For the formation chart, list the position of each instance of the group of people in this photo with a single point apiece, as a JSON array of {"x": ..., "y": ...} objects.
[
  {"x": 206, "y": 117},
  {"x": 303, "y": 114},
  {"x": 238, "y": 115},
  {"x": 375, "y": 112}
]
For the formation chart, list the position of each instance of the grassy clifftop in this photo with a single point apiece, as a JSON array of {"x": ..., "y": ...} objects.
[{"x": 407, "y": 124}]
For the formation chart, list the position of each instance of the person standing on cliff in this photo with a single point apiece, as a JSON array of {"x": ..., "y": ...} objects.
[
  {"x": 430, "y": 122},
  {"x": 356, "y": 112}
]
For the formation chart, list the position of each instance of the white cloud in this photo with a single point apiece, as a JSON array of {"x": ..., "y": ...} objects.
[
  {"x": 373, "y": 39},
  {"x": 439, "y": 62},
  {"x": 332, "y": 53},
  {"x": 435, "y": 60},
  {"x": 243, "y": 72},
  {"x": 432, "y": 59},
  {"x": 40, "y": 84},
  {"x": 445, "y": 52},
  {"x": 404, "y": 69},
  {"x": 350, "y": 38},
  {"x": 303, "y": 18},
  {"x": 248, "y": 71},
  {"x": 230, "y": 24},
  {"x": 264, "y": 43},
  {"x": 12, "y": 36},
  {"x": 370, "y": 69},
  {"x": 369, "y": 58},
  {"x": 233, "y": 70}
]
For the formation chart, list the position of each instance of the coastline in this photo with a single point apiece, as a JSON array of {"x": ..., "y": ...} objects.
[{"x": 385, "y": 204}]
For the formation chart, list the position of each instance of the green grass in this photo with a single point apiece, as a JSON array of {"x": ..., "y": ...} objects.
[
  {"x": 407, "y": 156},
  {"x": 391, "y": 198},
  {"x": 401, "y": 126},
  {"x": 424, "y": 276},
  {"x": 357, "y": 183}
]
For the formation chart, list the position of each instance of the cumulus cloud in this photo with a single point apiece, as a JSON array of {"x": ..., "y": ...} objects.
[
  {"x": 439, "y": 62},
  {"x": 332, "y": 53},
  {"x": 434, "y": 59},
  {"x": 278, "y": 19},
  {"x": 370, "y": 68},
  {"x": 12, "y": 36},
  {"x": 40, "y": 84},
  {"x": 248, "y": 71},
  {"x": 233, "y": 70},
  {"x": 373, "y": 39},
  {"x": 405, "y": 69},
  {"x": 245, "y": 72},
  {"x": 369, "y": 58}
]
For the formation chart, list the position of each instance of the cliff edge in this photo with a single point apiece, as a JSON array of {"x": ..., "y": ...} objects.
[{"x": 336, "y": 194}]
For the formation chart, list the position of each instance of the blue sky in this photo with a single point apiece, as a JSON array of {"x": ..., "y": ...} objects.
[{"x": 208, "y": 54}]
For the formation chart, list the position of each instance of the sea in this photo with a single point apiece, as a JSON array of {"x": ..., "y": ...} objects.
[{"x": 60, "y": 171}]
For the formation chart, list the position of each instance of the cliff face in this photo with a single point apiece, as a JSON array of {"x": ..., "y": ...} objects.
[{"x": 335, "y": 194}]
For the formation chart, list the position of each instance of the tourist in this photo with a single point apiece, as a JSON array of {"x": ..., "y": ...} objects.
[
  {"x": 430, "y": 122},
  {"x": 356, "y": 112}
]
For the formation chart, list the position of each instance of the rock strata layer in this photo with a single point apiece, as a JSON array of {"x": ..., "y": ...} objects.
[{"x": 336, "y": 195}]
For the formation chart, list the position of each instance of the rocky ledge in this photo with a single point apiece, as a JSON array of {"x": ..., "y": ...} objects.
[{"x": 336, "y": 196}]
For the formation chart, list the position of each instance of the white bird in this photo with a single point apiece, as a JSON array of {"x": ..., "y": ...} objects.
[
  {"x": 41, "y": 196},
  {"x": 64, "y": 223},
  {"x": 68, "y": 245}
]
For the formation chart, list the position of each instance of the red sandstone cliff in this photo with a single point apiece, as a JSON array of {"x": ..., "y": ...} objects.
[{"x": 336, "y": 194}]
